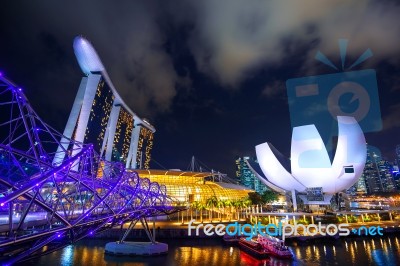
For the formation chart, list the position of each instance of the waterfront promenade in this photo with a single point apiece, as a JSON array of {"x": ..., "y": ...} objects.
[{"x": 176, "y": 229}]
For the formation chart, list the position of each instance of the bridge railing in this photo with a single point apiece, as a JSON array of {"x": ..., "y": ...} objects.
[{"x": 47, "y": 205}]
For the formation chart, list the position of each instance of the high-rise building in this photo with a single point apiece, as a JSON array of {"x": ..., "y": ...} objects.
[
  {"x": 246, "y": 177},
  {"x": 385, "y": 172},
  {"x": 398, "y": 155},
  {"x": 372, "y": 177},
  {"x": 396, "y": 177},
  {"x": 100, "y": 116},
  {"x": 378, "y": 173},
  {"x": 359, "y": 188},
  {"x": 371, "y": 173}
]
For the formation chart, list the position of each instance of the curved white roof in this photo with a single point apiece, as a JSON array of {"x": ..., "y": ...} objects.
[
  {"x": 90, "y": 62},
  {"x": 310, "y": 164},
  {"x": 87, "y": 57},
  {"x": 263, "y": 179}
]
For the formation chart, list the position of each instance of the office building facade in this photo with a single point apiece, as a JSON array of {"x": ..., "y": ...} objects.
[{"x": 246, "y": 177}]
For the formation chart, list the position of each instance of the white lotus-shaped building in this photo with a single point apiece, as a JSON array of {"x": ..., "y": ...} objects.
[{"x": 310, "y": 166}]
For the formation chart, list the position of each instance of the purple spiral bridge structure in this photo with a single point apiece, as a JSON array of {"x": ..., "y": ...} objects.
[{"x": 44, "y": 207}]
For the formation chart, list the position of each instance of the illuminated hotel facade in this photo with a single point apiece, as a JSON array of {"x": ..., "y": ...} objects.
[{"x": 100, "y": 116}]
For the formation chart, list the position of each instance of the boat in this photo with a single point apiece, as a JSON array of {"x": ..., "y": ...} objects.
[
  {"x": 275, "y": 247},
  {"x": 253, "y": 248}
]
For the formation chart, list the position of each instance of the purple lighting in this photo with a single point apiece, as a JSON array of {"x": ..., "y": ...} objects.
[{"x": 98, "y": 203}]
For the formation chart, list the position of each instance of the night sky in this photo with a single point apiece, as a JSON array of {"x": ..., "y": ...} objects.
[{"x": 209, "y": 75}]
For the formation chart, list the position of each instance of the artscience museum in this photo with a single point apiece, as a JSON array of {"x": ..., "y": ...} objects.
[{"x": 309, "y": 171}]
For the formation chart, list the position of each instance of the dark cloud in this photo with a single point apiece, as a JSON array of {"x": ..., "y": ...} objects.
[
  {"x": 233, "y": 37},
  {"x": 208, "y": 73},
  {"x": 273, "y": 89},
  {"x": 392, "y": 119},
  {"x": 126, "y": 36}
]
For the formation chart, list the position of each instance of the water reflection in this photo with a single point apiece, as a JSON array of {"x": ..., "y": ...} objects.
[
  {"x": 67, "y": 255},
  {"x": 360, "y": 251},
  {"x": 205, "y": 255}
]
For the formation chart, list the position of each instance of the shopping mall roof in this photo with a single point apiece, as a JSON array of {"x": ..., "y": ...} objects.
[
  {"x": 233, "y": 186},
  {"x": 189, "y": 186},
  {"x": 172, "y": 173}
]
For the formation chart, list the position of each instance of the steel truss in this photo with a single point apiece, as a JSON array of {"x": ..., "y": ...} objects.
[{"x": 44, "y": 207}]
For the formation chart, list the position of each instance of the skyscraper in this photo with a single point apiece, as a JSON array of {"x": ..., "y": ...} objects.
[
  {"x": 246, "y": 177},
  {"x": 371, "y": 174},
  {"x": 359, "y": 188},
  {"x": 378, "y": 173},
  {"x": 396, "y": 178},
  {"x": 385, "y": 172}
]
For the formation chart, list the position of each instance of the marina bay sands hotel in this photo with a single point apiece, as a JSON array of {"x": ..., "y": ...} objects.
[{"x": 100, "y": 116}]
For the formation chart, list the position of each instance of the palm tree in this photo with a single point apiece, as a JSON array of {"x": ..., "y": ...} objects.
[
  {"x": 245, "y": 202},
  {"x": 237, "y": 203},
  {"x": 194, "y": 205},
  {"x": 241, "y": 205},
  {"x": 211, "y": 203},
  {"x": 227, "y": 204},
  {"x": 201, "y": 206},
  {"x": 220, "y": 204}
]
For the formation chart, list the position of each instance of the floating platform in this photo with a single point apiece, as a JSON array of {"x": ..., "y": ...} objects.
[{"x": 136, "y": 248}]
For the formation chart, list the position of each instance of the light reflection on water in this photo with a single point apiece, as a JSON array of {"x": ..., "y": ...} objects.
[
  {"x": 66, "y": 254},
  {"x": 362, "y": 251}
]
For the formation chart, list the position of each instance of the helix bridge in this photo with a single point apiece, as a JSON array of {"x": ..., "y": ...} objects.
[{"x": 45, "y": 206}]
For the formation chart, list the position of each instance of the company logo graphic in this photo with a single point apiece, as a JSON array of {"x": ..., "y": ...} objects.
[
  {"x": 282, "y": 230},
  {"x": 320, "y": 99}
]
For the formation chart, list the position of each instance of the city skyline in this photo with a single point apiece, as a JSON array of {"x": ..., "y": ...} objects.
[{"x": 203, "y": 99}]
